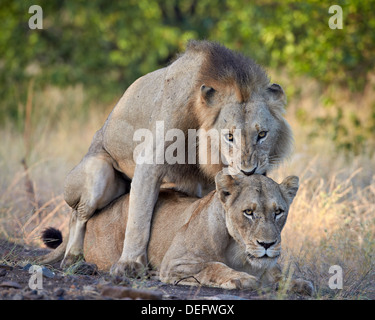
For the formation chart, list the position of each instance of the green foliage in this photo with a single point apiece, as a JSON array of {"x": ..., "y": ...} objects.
[
  {"x": 107, "y": 45},
  {"x": 297, "y": 35}
]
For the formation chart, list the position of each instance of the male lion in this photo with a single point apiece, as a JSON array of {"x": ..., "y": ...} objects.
[
  {"x": 229, "y": 239},
  {"x": 207, "y": 87}
]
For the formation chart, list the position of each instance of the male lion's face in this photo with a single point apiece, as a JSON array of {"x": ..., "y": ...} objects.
[
  {"x": 255, "y": 136},
  {"x": 256, "y": 211}
]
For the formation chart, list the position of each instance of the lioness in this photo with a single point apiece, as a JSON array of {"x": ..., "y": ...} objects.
[
  {"x": 231, "y": 238},
  {"x": 207, "y": 87}
]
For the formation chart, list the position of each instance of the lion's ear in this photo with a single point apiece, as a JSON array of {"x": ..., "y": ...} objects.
[
  {"x": 207, "y": 94},
  {"x": 224, "y": 185},
  {"x": 276, "y": 93},
  {"x": 290, "y": 187}
]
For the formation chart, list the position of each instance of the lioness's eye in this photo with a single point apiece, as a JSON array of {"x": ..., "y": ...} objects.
[
  {"x": 248, "y": 212},
  {"x": 262, "y": 134},
  {"x": 229, "y": 137}
]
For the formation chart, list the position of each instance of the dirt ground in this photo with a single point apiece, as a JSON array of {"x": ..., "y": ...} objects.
[{"x": 19, "y": 282}]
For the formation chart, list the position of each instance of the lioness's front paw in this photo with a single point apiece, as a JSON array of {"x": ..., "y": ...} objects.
[
  {"x": 303, "y": 287},
  {"x": 131, "y": 269},
  {"x": 242, "y": 282}
]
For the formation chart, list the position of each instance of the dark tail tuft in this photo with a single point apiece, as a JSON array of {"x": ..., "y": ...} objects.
[{"x": 52, "y": 237}]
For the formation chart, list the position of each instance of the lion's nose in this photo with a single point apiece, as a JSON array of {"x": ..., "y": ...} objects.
[
  {"x": 249, "y": 173},
  {"x": 266, "y": 245}
]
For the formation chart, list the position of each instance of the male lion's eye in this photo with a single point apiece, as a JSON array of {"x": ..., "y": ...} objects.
[
  {"x": 248, "y": 213},
  {"x": 262, "y": 134},
  {"x": 229, "y": 137},
  {"x": 278, "y": 212}
]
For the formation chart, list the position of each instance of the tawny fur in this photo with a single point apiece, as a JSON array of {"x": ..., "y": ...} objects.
[
  {"x": 209, "y": 87},
  {"x": 206, "y": 241}
]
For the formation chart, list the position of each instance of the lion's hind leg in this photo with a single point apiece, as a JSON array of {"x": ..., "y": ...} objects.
[{"x": 92, "y": 185}]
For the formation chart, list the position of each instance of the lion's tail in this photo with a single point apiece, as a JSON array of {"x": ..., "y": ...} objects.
[{"x": 52, "y": 238}]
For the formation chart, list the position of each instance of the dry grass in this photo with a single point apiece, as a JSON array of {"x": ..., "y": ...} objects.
[
  {"x": 332, "y": 220},
  {"x": 57, "y": 133}
]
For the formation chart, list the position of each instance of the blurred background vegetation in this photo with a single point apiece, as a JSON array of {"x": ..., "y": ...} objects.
[{"x": 101, "y": 47}]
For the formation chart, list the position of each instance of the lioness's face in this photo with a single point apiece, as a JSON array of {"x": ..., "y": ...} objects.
[
  {"x": 256, "y": 211},
  {"x": 255, "y": 136}
]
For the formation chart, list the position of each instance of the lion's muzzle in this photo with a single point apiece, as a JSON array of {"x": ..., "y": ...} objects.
[{"x": 264, "y": 250}]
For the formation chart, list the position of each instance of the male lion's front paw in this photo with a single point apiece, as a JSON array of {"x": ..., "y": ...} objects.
[
  {"x": 242, "y": 282},
  {"x": 130, "y": 269},
  {"x": 70, "y": 259},
  {"x": 303, "y": 287}
]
